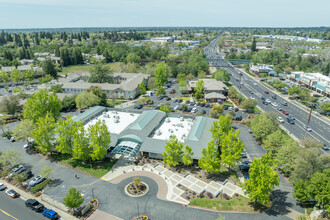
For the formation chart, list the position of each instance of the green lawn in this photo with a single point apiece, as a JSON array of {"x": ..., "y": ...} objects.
[
  {"x": 117, "y": 102},
  {"x": 228, "y": 104},
  {"x": 256, "y": 109},
  {"x": 237, "y": 204},
  {"x": 115, "y": 67},
  {"x": 97, "y": 169}
]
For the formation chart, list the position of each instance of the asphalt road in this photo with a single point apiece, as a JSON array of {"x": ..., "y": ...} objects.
[
  {"x": 245, "y": 83},
  {"x": 15, "y": 209}
]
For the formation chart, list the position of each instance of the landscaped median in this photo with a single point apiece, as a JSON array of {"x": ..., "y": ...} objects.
[{"x": 239, "y": 203}]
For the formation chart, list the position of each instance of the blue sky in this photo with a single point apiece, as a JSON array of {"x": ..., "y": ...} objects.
[{"x": 146, "y": 13}]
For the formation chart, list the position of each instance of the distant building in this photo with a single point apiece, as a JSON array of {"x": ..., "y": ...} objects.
[
  {"x": 214, "y": 90},
  {"x": 127, "y": 85},
  {"x": 262, "y": 68},
  {"x": 314, "y": 81}
]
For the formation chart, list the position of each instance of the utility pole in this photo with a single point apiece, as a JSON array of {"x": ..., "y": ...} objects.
[
  {"x": 93, "y": 193},
  {"x": 309, "y": 117}
]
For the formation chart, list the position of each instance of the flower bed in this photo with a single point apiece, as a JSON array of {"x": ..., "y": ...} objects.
[
  {"x": 141, "y": 217},
  {"x": 136, "y": 190}
]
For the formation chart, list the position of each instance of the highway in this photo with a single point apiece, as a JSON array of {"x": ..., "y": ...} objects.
[
  {"x": 246, "y": 83},
  {"x": 15, "y": 209}
]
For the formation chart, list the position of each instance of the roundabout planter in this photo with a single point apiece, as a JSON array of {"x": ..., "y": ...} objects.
[
  {"x": 141, "y": 217},
  {"x": 137, "y": 191}
]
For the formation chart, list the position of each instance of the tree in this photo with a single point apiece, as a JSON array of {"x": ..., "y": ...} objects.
[
  {"x": 232, "y": 93},
  {"x": 56, "y": 88},
  {"x": 325, "y": 106},
  {"x": 199, "y": 89},
  {"x": 319, "y": 187},
  {"x": 86, "y": 99},
  {"x": 209, "y": 160},
  {"x": 307, "y": 163},
  {"x": 133, "y": 58},
  {"x": 311, "y": 143},
  {"x": 183, "y": 86},
  {"x": 73, "y": 199},
  {"x": 101, "y": 74},
  {"x": 221, "y": 75},
  {"x": 173, "y": 152},
  {"x": 300, "y": 191},
  {"x": 99, "y": 138},
  {"x": 254, "y": 45},
  {"x": 249, "y": 104},
  {"x": 23, "y": 130},
  {"x": 41, "y": 103},
  {"x": 187, "y": 157},
  {"x": 46, "y": 171},
  {"x": 65, "y": 130},
  {"x": 286, "y": 156},
  {"x": 294, "y": 90},
  {"x": 69, "y": 102},
  {"x": 216, "y": 111},
  {"x": 275, "y": 140},
  {"x": 48, "y": 68},
  {"x": 44, "y": 133},
  {"x": 15, "y": 75},
  {"x": 97, "y": 90},
  {"x": 220, "y": 127},
  {"x": 160, "y": 91},
  {"x": 166, "y": 108},
  {"x": 29, "y": 75},
  {"x": 142, "y": 88},
  {"x": 263, "y": 178},
  {"x": 161, "y": 74},
  {"x": 10, "y": 105},
  {"x": 9, "y": 158},
  {"x": 4, "y": 76},
  {"x": 231, "y": 148},
  {"x": 80, "y": 143},
  {"x": 262, "y": 126}
]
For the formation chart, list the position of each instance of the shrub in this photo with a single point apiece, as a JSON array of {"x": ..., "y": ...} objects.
[
  {"x": 210, "y": 195},
  {"x": 194, "y": 193},
  {"x": 40, "y": 186},
  {"x": 37, "y": 194},
  {"x": 225, "y": 196},
  {"x": 6, "y": 133},
  {"x": 188, "y": 197},
  {"x": 201, "y": 195}
]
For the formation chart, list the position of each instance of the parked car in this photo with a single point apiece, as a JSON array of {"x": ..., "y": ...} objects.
[
  {"x": 264, "y": 102},
  {"x": 280, "y": 119},
  {"x": 139, "y": 106},
  {"x": 279, "y": 108},
  {"x": 168, "y": 99},
  {"x": 198, "y": 103},
  {"x": 267, "y": 92},
  {"x": 285, "y": 112},
  {"x": 2, "y": 186},
  {"x": 172, "y": 91},
  {"x": 34, "y": 205},
  {"x": 243, "y": 154},
  {"x": 63, "y": 118},
  {"x": 236, "y": 109},
  {"x": 16, "y": 170},
  {"x": 51, "y": 214},
  {"x": 268, "y": 101},
  {"x": 274, "y": 97},
  {"x": 36, "y": 180},
  {"x": 325, "y": 147},
  {"x": 244, "y": 167},
  {"x": 225, "y": 107},
  {"x": 238, "y": 118},
  {"x": 202, "y": 104},
  {"x": 28, "y": 174},
  {"x": 308, "y": 128},
  {"x": 251, "y": 92},
  {"x": 292, "y": 117},
  {"x": 12, "y": 193},
  {"x": 180, "y": 100},
  {"x": 203, "y": 112},
  {"x": 194, "y": 110},
  {"x": 207, "y": 105},
  {"x": 187, "y": 101}
]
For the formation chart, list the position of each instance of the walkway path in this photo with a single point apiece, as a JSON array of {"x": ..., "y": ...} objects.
[{"x": 168, "y": 182}]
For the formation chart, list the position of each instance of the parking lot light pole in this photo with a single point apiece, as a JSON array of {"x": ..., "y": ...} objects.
[{"x": 93, "y": 193}]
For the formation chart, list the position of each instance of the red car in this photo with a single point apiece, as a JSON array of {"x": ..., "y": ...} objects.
[
  {"x": 285, "y": 112},
  {"x": 266, "y": 92}
]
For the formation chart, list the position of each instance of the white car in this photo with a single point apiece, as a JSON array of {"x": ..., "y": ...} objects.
[
  {"x": 308, "y": 128},
  {"x": 274, "y": 104},
  {"x": 2, "y": 186},
  {"x": 255, "y": 84},
  {"x": 280, "y": 119},
  {"x": 251, "y": 97},
  {"x": 268, "y": 101}
]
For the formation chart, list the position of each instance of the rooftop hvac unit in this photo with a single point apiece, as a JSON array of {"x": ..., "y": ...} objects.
[
  {"x": 158, "y": 132},
  {"x": 106, "y": 115},
  {"x": 168, "y": 120},
  {"x": 181, "y": 119}
]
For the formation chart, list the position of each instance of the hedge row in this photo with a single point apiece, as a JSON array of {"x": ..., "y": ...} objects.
[{"x": 40, "y": 186}]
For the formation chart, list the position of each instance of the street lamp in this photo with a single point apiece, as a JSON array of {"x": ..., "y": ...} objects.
[{"x": 93, "y": 192}]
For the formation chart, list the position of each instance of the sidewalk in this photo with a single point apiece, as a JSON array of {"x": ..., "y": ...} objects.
[{"x": 44, "y": 199}]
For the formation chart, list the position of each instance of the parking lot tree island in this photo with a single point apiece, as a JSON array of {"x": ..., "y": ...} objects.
[{"x": 73, "y": 199}]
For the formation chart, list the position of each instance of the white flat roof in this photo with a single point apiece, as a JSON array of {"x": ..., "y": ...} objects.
[
  {"x": 115, "y": 121},
  {"x": 179, "y": 127}
]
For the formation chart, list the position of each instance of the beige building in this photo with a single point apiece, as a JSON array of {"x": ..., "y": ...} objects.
[{"x": 214, "y": 90}]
